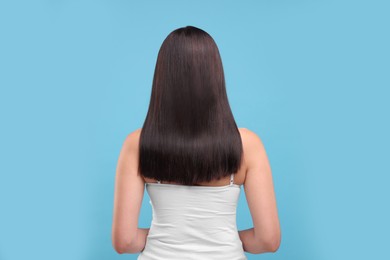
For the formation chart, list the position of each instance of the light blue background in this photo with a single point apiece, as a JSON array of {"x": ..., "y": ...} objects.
[{"x": 311, "y": 78}]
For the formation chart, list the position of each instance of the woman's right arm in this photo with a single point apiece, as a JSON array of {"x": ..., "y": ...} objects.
[{"x": 265, "y": 236}]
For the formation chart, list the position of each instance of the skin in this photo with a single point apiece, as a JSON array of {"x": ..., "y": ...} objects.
[{"x": 255, "y": 175}]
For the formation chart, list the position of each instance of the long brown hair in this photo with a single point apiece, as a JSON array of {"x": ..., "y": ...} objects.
[{"x": 189, "y": 134}]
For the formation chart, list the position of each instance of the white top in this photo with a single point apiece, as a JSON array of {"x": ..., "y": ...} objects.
[{"x": 193, "y": 222}]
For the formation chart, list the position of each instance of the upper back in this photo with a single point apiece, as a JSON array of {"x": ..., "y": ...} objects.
[{"x": 239, "y": 177}]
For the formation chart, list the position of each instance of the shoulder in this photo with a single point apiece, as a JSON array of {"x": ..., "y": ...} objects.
[
  {"x": 252, "y": 145},
  {"x": 131, "y": 141},
  {"x": 134, "y": 136},
  {"x": 250, "y": 138}
]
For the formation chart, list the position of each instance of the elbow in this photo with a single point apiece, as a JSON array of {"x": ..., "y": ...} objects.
[
  {"x": 122, "y": 246},
  {"x": 272, "y": 244},
  {"x": 124, "y": 242},
  {"x": 269, "y": 243}
]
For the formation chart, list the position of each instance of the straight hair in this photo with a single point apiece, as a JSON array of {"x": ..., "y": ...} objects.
[{"x": 189, "y": 134}]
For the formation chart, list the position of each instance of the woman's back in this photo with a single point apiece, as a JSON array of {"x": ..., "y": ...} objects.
[
  {"x": 199, "y": 222},
  {"x": 193, "y": 222}
]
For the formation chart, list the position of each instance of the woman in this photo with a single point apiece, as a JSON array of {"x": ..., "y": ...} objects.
[{"x": 192, "y": 159}]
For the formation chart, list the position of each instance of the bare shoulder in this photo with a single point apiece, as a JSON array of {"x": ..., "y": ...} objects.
[
  {"x": 251, "y": 141},
  {"x": 135, "y": 134},
  {"x": 133, "y": 137},
  {"x": 131, "y": 142},
  {"x": 254, "y": 150},
  {"x": 249, "y": 136}
]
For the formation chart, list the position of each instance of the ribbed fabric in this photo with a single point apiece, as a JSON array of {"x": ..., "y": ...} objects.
[{"x": 193, "y": 222}]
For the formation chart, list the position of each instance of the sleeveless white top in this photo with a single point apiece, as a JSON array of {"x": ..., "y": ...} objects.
[{"x": 193, "y": 222}]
